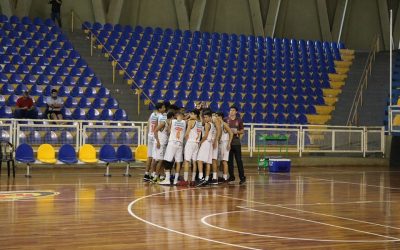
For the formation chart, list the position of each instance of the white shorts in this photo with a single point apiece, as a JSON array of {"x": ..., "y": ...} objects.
[
  {"x": 215, "y": 151},
  {"x": 223, "y": 152},
  {"x": 158, "y": 153},
  {"x": 205, "y": 152},
  {"x": 150, "y": 145},
  {"x": 174, "y": 151},
  {"x": 191, "y": 150}
]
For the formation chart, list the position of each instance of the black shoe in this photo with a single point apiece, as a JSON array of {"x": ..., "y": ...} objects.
[
  {"x": 213, "y": 182},
  {"x": 201, "y": 182},
  {"x": 147, "y": 177},
  {"x": 242, "y": 181},
  {"x": 220, "y": 179},
  {"x": 231, "y": 179}
]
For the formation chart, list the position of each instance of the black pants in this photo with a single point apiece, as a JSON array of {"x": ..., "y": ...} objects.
[
  {"x": 29, "y": 114},
  {"x": 56, "y": 15},
  {"x": 236, "y": 150}
]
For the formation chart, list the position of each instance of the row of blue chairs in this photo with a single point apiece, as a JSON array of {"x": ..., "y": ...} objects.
[
  {"x": 67, "y": 155},
  {"x": 36, "y": 90},
  {"x": 42, "y": 80}
]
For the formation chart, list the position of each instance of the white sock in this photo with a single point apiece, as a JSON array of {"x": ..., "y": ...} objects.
[
  {"x": 220, "y": 174},
  {"x": 153, "y": 174},
  {"x": 176, "y": 176},
  {"x": 207, "y": 177},
  {"x": 167, "y": 175},
  {"x": 215, "y": 175},
  {"x": 225, "y": 177},
  {"x": 146, "y": 173},
  {"x": 193, "y": 176},
  {"x": 200, "y": 175},
  {"x": 185, "y": 176}
]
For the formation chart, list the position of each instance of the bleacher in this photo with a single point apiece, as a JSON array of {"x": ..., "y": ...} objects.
[
  {"x": 271, "y": 80},
  {"x": 36, "y": 56}
]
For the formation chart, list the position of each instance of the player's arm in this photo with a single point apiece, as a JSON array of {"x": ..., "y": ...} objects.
[
  {"x": 241, "y": 129},
  {"x": 158, "y": 128},
  {"x": 169, "y": 126},
  {"x": 206, "y": 131},
  {"x": 228, "y": 129},
  {"x": 218, "y": 134},
  {"x": 189, "y": 127}
]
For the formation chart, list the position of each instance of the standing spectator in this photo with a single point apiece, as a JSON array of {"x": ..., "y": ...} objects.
[
  {"x": 54, "y": 105},
  {"x": 25, "y": 107},
  {"x": 56, "y": 11},
  {"x": 236, "y": 125}
]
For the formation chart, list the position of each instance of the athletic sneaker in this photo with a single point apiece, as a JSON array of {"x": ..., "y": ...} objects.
[
  {"x": 147, "y": 177},
  {"x": 165, "y": 182},
  {"x": 192, "y": 183},
  {"x": 221, "y": 179},
  {"x": 175, "y": 182},
  {"x": 201, "y": 182},
  {"x": 213, "y": 182},
  {"x": 231, "y": 179},
  {"x": 183, "y": 183},
  {"x": 242, "y": 181}
]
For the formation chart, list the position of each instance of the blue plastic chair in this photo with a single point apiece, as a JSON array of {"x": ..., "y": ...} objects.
[
  {"x": 108, "y": 155},
  {"x": 6, "y": 112},
  {"x": 24, "y": 154},
  {"x": 120, "y": 115},
  {"x": 67, "y": 154},
  {"x": 124, "y": 154}
]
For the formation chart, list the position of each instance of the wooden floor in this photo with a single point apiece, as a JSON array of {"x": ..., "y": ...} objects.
[{"x": 310, "y": 208}]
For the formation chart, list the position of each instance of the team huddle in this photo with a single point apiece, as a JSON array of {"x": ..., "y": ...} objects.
[{"x": 195, "y": 142}]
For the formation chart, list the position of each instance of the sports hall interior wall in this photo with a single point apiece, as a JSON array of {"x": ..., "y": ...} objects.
[{"x": 299, "y": 19}]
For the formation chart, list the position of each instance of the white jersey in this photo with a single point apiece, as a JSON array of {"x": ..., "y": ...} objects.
[
  {"x": 153, "y": 123},
  {"x": 195, "y": 132},
  {"x": 163, "y": 134},
  {"x": 210, "y": 133},
  {"x": 224, "y": 134},
  {"x": 178, "y": 129}
]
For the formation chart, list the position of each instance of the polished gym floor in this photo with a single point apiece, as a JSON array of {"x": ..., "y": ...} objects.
[{"x": 310, "y": 208}]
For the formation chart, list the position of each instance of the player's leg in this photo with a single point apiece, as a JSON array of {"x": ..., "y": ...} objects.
[
  {"x": 178, "y": 161},
  {"x": 168, "y": 164},
  {"x": 150, "y": 146}
]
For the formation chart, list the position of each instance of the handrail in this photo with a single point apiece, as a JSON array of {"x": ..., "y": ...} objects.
[
  {"x": 363, "y": 84},
  {"x": 140, "y": 90}
]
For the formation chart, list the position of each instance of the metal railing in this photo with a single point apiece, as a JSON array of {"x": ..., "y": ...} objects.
[
  {"x": 92, "y": 39},
  {"x": 302, "y": 138},
  {"x": 353, "y": 117}
]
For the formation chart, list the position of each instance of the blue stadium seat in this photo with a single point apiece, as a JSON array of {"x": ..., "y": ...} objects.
[
  {"x": 67, "y": 154},
  {"x": 93, "y": 114},
  {"x": 106, "y": 114},
  {"x": 79, "y": 114},
  {"x": 120, "y": 115}
]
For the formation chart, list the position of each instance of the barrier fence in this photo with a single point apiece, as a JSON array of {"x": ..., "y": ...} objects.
[{"x": 301, "y": 138}]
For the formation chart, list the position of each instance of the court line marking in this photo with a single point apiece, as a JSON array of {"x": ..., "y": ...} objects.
[
  {"x": 352, "y": 183},
  {"x": 203, "y": 220},
  {"x": 130, "y": 206},
  {"x": 329, "y": 203},
  {"x": 310, "y": 212}
]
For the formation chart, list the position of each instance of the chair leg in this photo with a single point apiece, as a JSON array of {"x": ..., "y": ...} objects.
[
  {"x": 127, "y": 174},
  {"x": 13, "y": 166},
  {"x": 28, "y": 174},
  {"x": 8, "y": 169},
  {"x": 107, "y": 174}
]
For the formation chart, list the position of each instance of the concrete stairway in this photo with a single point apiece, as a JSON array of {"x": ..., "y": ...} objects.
[
  {"x": 102, "y": 68},
  {"x": 342, "y": 109}
]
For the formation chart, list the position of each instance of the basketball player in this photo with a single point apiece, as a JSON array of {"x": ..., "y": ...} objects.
[
  {"x": 151, "y": 125},
  {"x": 192, "y": 138},
  {"x": 161, "y": 135},
  {"x": 205, "y": 152},
  {"x": 174, "y": 149},
  {"x": 216, "y": 136},
  {"x": 224, "y": 145}
]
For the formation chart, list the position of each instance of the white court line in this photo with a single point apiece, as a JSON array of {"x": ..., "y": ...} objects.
[
  {"x": 130, "y": 206},
  {"x": 309, "y": 212},
  {"x": 329, "y": 203},
  {"x": 203, "y": 220},
  {"x": 352, "y": 183}
]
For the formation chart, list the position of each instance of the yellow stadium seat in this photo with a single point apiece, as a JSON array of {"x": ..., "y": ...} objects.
[
  {"x": 396, "y": 120},
  {"x": 46, "y": 154},
  {"x": 87, "y": 154},
  {"x": 141, "y": 153}
]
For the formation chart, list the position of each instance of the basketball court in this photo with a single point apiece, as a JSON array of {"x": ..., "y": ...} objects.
[{"x": 337, "y": 208}]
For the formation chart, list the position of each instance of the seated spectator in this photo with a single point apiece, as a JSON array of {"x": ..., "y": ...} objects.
[
  {"x": 54, "y": 105},
  {"x": 25, "y": 107}
]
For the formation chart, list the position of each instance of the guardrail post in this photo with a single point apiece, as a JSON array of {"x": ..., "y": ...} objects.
[
  {"x": 72, "y": 21},
  {"x": 364, "y": 143},
  {"x": 91, "y": 44}
]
